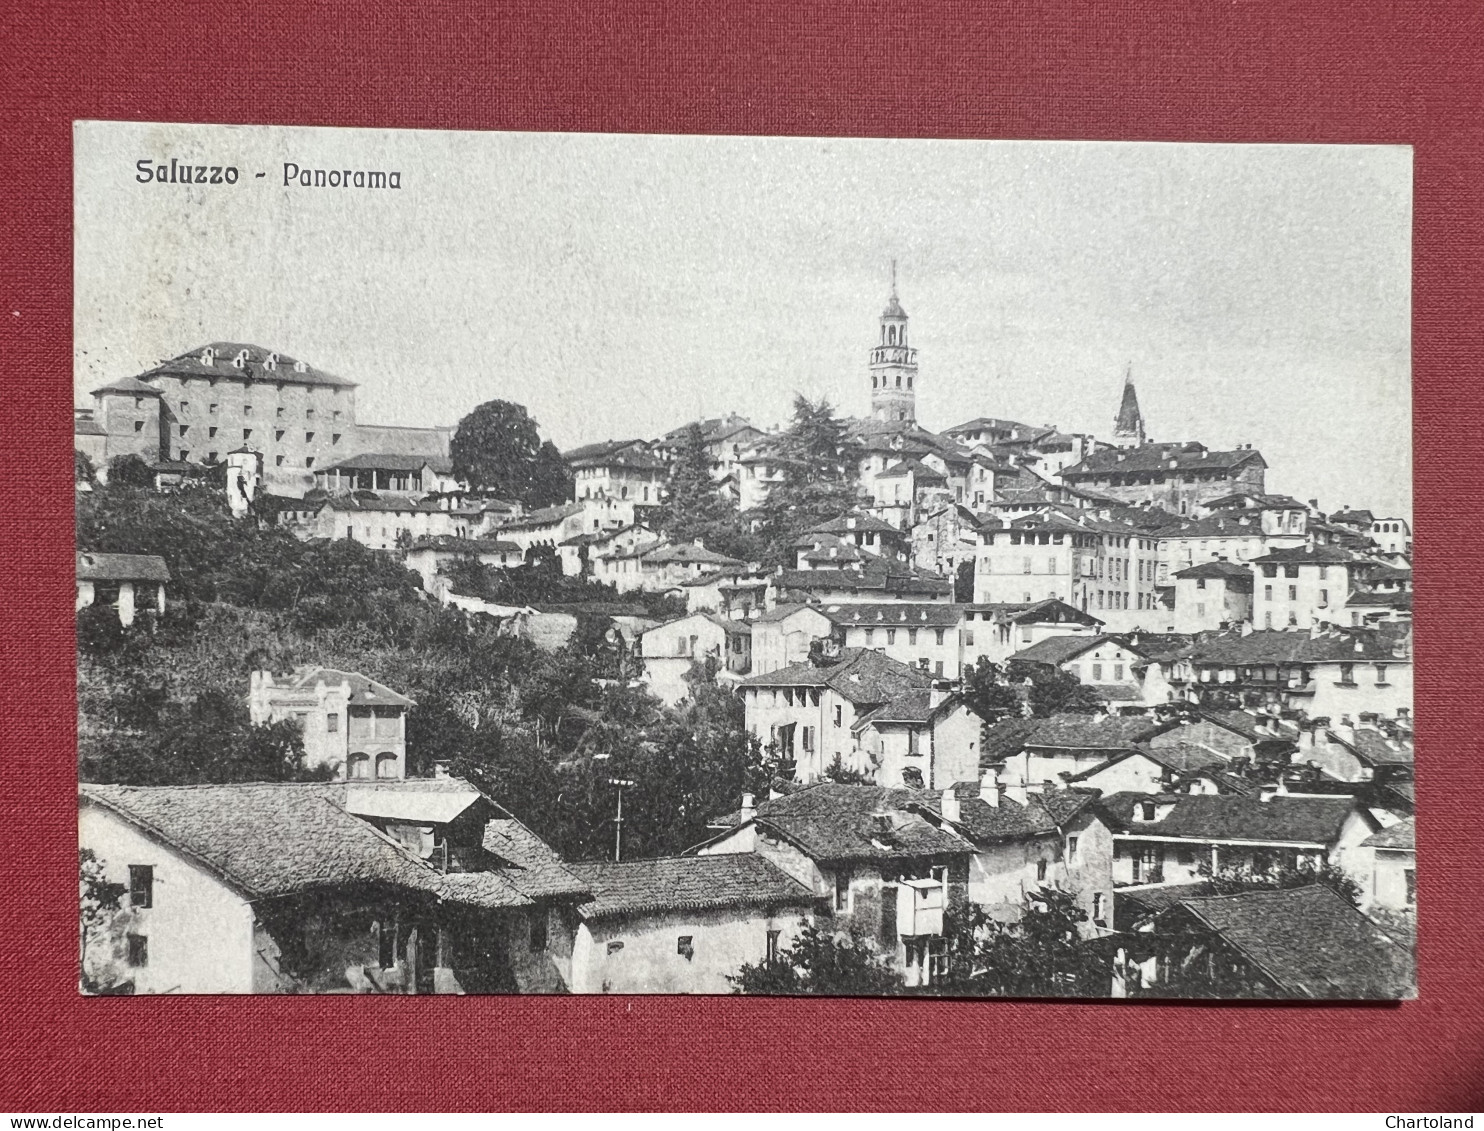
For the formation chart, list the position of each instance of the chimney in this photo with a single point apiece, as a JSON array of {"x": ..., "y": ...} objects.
[
  {"x": 748, "y": 810},
  {"x": 989, "y": 790},
  {"x": 949, "y": 807},
  {"x": 441, "y": 768}
]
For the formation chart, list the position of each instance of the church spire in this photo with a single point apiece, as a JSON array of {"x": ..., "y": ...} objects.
[
  {"x": 893, "y": 364},
  {"x": 1128, "y": 429}
]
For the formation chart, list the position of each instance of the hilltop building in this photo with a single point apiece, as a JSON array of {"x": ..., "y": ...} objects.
[{"x": 894, "y": 364}]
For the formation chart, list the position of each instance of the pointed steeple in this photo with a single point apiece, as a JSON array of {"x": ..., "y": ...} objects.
[
  {"x": 893, "y": 306},
  {"x": 1128, "y": 429}
]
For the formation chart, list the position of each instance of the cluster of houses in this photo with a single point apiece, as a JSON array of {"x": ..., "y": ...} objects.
[{"x": 1251, "y": 655}]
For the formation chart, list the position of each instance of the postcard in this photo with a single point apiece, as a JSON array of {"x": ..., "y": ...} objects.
[{"x": 577, "y": 563}]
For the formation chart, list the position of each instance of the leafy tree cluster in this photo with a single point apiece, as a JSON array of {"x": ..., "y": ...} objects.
[
  {"x": 100, "y": 928},
  {"x": 498, "y": 447},
  {"x": 165, "y": 702},
  {"x": 1011, "y": 690},
  {"x": 540, "y": 581},
  {"x": 820, "y": 466},
  {"x": 1041, "y": 954},
  {"x": 694, "y": 510}
]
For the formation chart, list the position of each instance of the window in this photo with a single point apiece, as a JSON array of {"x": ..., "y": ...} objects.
[
  {"x": 1290, "y": 571},
  {"x": 1381, "y": 675},
  {"x": 842, "y": 889},
  {"x": 309, "y": 437},
  {"x": 1267, "y": 595},
  {"x": 837, "y": 714},
  {"x": 1026, "y": 564},
  {"x": 870, "y": 635},
  {"x": 278, "y": 412},
  {"x": 808, "y": 739},
  {"x": 1347, "y": 673},
  {"x": 772, "y": 952},
  {"x": 1117, "y": 672},
  {"x": 309, "y": 414},
  {"x": 1040, "y": 869},
  {"x": 891, "y": 636},
  {"x": 615, "y": 947},
  {"x": 968, "y": 638},
  {"x": 685, "y": 947},
  {"x": 1146, "y": 865},
  {"x": 912, "y": 636},
  {"x": 1270, "y": 571},
  {"x": 1323, "y": 572},
  {"x": 538, "y": 930},
  {"x": 184, "y": 428},
  {"x": 277, "y": 461},
  {"x": 938, "y": 636},
  {"x": 185, "y": 407},
  {"x": 211, "y": 409},
  {"x": 138, "y": 950},
  {"x": 308, "y": 461},
  {"x": 1146, "y": 810},
  {"x": 359, "y": 767},
  {"x": 247, "y": 434},
  {"x": 1071, "y": 847},
  {"x": 1293, "y": 592},
  {"x": 278, "y": 434},
  {"x": 141, "y": 885},
  {"x": 1410, "y": 876},
  {"x": 139, "y": 426},
  {"x": 1324, "y": 596},
  {"x": 1097, "y": 908},
  {"x": 938, "y": 667},
  {"x": 1097, "y": 673}
]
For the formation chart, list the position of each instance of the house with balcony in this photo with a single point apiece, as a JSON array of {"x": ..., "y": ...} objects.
[
  {"x": 1327, "y": 673},
  {"x": 1170, "y": 838},
  {"x": 126, "y": 583},
  {"x": 352, "y": 724},
  {"x": 877, "y": 868},
  {"x": 670, "y": 651},
  {"x": 403, "y": 887}
]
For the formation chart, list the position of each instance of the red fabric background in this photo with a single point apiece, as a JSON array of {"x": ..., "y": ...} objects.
[{"x": 1228, "y": 71}]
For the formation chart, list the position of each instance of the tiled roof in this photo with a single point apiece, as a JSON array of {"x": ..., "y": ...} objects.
[
  {"x": 267, "y": 839},
  {"x": 447, "y": 542},
  {"x": 1375, "y": 748},
  {"x": 546, "y": 516},
  {"x": 1307, "y": 555},
  {"x": 600, "y": 449},
  {"x": 1222, "y": 524},
  {"x": 1128, "y": 419},
  {"x": 389, "y": 461},
  {"x": 363, "y": 690},
  {"x": 131, "y": 385},
  {"x": 1162, "y": 457},
  {"x": 1402, "y": 835},
  {"x": 1057, "y": 650},
  {"x": 853, "y": 524},
  {"x": 1005, "y": 739},
  {"x": 914, "y": 467},
  {"x": 393, "y": 504},
  {"x": 1090, "y": 732},
  {"x": 1158, "y": 645},
  {"x": 861, "y": 675},
  {"x": 1180, "y": 758},
  {"x": 784, "y": 611},
  {"x": 533, "y": 867},
  {"x": 1353, "y": 518},
  {"x": 254, "y": 369},
  {"x": 87, "y": 426},
  {"x": 873, "y": 576},
  {"x": 121, "y": 567},
  {"x": 687, "y": 553},
  {"x": 894, "y": 614},
  {"x": 1226, "y": 570},
  {"x": 1304, "y": 820},
  {"x": 837, "y": 822},
  {"x": 1310, "y": 941},
  {"x": 688, "y": 883},
  {"x": 912, "y": 706},
  {"x": 1232, "y": 649}
]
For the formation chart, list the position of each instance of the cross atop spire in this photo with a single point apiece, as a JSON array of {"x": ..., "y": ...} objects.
[
  {"x": 894, "y": 278},
  {"x": 893, "y": 306}
]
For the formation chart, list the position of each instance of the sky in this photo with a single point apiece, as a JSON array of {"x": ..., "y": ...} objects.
[{"x": 620, "y": 285}]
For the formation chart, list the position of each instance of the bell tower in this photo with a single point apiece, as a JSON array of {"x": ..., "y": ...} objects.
[{"x": 893, "y": 364}]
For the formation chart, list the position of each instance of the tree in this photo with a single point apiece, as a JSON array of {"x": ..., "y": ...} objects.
[
  {"x": 996, "y": 691},
  {"x": 820, "y": 465},
  {"x": 130, "y": 471},
  {"x": 83, "y": 470},
  {"x": 1042, "y": 954},
  {"x": 1281, "y": 876},
  {"x": 100, "y": 935},
  {"x": 694, "y": 510},
  {"x": 841, "y": 774},
  {"x": 498, "y": 448},
  {"x": 821, "y": 963},
  {"x": 963, "y": 582},
  {"x": 989, "y": 693}
]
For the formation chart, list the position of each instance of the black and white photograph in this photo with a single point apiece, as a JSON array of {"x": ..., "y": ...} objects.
[{"x": 541, "y": 563}]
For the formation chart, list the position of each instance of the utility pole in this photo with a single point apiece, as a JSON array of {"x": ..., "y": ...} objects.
[{"x": 622, "y": 784}]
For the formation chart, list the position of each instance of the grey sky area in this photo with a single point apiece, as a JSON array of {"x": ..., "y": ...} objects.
[{"x": 620, "y": 285}]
